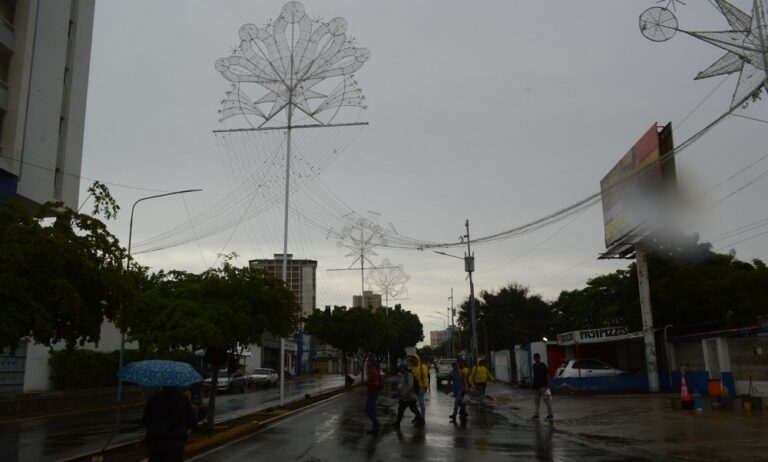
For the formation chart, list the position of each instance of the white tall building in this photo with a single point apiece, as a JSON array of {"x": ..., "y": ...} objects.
[{"x": 45, "y": 52}]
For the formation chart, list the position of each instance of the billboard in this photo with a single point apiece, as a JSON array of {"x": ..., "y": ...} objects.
[{"x": 633, "y": 189}]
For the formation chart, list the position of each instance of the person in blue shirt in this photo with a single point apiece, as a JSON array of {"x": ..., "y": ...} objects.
[{"x": 457, "y": 381}]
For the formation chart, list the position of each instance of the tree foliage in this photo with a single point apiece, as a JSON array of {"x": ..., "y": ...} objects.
[
  {"x": 403, "y": 329},
  {"x": 217, "y": 310},
  {"x": 376, "y": 331},
  {"x": 508, "y": 317},
  {"x": 690, "y": 284},
  {"x": 60, "y": 274}
]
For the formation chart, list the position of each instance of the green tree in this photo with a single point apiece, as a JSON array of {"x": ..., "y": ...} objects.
[
  {"x": 607, "y": 300},
  {"x": 346, "y": 329},
  {"x": 60, "y": 273},
  {"x": 218, "y": 310},
  {"x": 376, "y": 331},
  {"x": 402, "y": 329},
  {"x": 690, "y": 284},
  {"x": 508, "y": 317}
]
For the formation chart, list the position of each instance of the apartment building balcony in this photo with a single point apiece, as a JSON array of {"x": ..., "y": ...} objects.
[{"x": 7, "y": 36}]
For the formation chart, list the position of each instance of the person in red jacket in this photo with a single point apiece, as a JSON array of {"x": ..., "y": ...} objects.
[{"x": 374, "y": 385}]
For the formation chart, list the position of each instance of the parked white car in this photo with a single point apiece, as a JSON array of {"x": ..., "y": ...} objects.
[
  {"x": 230, "y": 383},
  {"x": 586, "y": 368},
  {"x": 263, "y": 377}
]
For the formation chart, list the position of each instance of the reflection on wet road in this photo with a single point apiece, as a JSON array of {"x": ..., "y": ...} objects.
[
  {"x": 336, "y": 430},
  {"x": 55, "y": 438}
]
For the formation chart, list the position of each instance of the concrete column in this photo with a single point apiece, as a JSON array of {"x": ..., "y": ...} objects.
[{"x": 647, "y": 313}]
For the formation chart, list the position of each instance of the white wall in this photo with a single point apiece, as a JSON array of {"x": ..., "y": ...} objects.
[
  {"x": 37, "y": 369},
  {"x": 522, "y": 364}
]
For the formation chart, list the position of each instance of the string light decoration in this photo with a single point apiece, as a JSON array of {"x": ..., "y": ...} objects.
[{"x": 288, "y": 61}]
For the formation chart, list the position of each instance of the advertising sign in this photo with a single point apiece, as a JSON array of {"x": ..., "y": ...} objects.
[
  {"x": 600, "y": 335},
  {"x": 631, "y": 189}
]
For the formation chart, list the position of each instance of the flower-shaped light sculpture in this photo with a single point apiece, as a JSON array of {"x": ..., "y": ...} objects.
[{"x": 288, "y": 60}]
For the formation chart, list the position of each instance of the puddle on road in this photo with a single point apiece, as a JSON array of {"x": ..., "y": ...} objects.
[{"x": 612, "y": 440}]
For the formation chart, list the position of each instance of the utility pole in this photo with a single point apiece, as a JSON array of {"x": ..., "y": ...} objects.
[
  {"x": 453, "y": 326},
  {"x": 469, "y": 267}
]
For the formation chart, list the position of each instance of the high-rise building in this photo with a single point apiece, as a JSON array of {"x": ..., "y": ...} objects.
[
  {"x": 301, "y": 279},
  {"x": 45, "y": 52}
]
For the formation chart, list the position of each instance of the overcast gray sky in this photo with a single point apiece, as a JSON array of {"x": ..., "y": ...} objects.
[{"x": 498, "y": 112}]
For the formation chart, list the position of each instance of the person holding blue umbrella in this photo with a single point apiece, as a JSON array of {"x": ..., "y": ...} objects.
[{"x": 168, "y": 415}]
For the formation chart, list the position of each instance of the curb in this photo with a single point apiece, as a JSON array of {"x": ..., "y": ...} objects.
[
  {"x": 242, "y": 431},
  {"x": 232, "y": 434}
]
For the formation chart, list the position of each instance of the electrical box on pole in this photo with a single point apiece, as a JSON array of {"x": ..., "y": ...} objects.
[{"x": 469, "y": 264}]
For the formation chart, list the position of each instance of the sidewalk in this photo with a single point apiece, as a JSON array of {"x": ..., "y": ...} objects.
[
  {"x": 22, "y": 406},
  {"x": 62, "y": 435},
  {"x": 645, "y": 422},
  {"x": 26, "y": 405}
]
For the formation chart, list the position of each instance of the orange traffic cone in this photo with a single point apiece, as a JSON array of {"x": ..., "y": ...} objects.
[{"x": 684, "y": 394}]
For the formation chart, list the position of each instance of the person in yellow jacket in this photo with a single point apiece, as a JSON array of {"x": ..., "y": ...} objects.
[
  {"x": 480, "y": 376},
  {"x": 420, "y": 372}
]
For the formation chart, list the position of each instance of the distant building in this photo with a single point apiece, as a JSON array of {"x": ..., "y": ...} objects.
[
  {"x": 368, "y": 300},
  {"x": 438, "y": 337},
  {"x": 301, "y": 279},
  {"x": 45, "y": 52}
]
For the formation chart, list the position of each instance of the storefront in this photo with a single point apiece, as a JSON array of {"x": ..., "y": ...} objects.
[{"x": 602, "y": 359}]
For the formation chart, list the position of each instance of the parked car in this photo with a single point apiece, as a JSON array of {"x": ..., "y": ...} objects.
[
  {"x": 444, "y": 369},
  {"x": 587, "y": 368},
  {"x": 229, "y": 382},
  {"x": 263, "y": 377}
]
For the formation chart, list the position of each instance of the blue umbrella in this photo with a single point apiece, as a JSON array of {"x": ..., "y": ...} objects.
[{"x": 159, "y": 373}]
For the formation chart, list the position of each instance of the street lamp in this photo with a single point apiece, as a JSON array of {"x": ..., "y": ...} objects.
[{"x": 127, "y": 268}]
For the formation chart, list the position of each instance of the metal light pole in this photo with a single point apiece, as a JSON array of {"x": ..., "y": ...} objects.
[
  {"x": 288, "y": 57},
  {"x": 127, "y": 268}
]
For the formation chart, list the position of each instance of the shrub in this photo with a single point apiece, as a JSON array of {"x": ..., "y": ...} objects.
[{"x": 74, "y": 369}]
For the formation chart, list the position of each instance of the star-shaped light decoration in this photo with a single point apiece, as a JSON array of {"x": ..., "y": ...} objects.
[
  {"x": 289, "y": 57},
  {"x": 746, "y": 45},
  {"x": 671, "y": 3},
  {"x": 746, "y": 48}
]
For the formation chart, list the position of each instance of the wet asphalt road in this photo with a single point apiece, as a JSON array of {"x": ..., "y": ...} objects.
[
  {"x": 55, "y": 438},
  {"x": 336, "y": 431}
]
